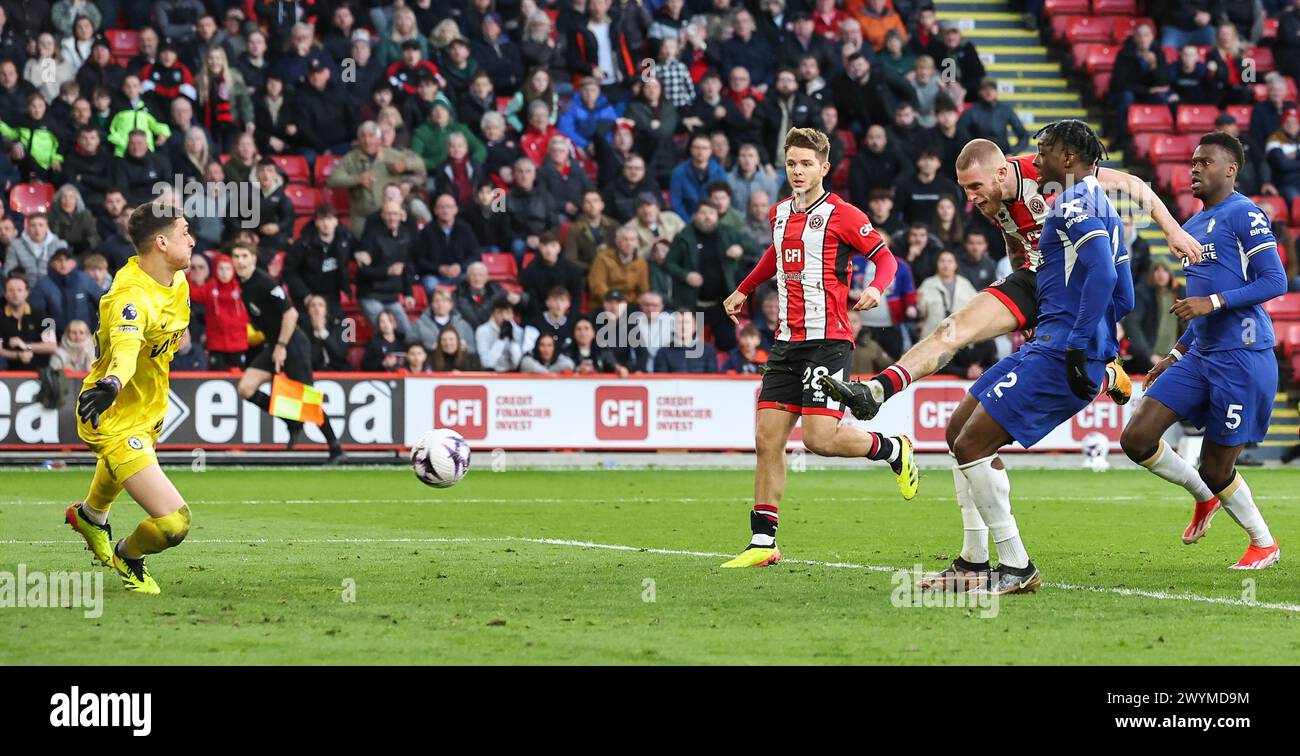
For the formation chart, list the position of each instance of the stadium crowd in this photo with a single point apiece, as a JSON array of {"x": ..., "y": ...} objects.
[{"x": 455, "y": 185}]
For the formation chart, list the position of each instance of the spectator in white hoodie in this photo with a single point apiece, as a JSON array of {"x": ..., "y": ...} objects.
[
  {"x": 33, "y": 249},
  {"x": 502, "y": 343}
]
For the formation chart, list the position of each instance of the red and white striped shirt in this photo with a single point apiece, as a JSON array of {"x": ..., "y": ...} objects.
[
  {"x": 1021, "y": 215},
  {"x": 812, "y": 267}
]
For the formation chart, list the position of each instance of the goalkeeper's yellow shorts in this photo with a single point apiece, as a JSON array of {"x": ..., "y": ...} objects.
[{"x": 126, "y": 454}]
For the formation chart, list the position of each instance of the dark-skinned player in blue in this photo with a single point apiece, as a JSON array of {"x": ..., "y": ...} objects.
[
  {"x": 1084, "y": 288},
  {"x": 1222, "y": 375}
]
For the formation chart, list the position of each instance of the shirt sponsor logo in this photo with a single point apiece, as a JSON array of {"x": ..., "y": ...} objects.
[{"x": 865, "y": 230}]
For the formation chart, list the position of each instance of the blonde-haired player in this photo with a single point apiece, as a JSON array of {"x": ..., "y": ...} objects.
[{"x": 124, "y": 397}]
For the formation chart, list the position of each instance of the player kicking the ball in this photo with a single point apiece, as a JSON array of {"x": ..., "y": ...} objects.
[
  {"x": 814, "y": 236},
  {"x": 1007, "y": 192},
  {"x": 1222, "y": 375},
  {"x": 124, "y": 397},
  {"x": 1084, "y": 288}
]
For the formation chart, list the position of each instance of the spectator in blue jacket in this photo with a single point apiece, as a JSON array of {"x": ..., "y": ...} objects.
[
  {"x": 67, "y": 294},
  {"x": 690, "y": 179},
  {"x": 586, "y": 116},
  {"x": 688, "y": 353}
]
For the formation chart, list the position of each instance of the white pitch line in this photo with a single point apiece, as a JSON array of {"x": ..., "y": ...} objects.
[
  {"x": 1157, "y": 595},
  {"x": 4, "y": 502}
]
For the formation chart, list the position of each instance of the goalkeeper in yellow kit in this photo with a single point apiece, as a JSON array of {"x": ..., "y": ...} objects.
[{"x": 124, "y": 398}]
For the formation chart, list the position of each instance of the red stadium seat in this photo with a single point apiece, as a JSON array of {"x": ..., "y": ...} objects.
[
  {"x": 1285, "y": 307},
  {"x": 294, "y": 166},
  {"x": 1274, "y": 205},
  {"x": 355, "y": 355},
  {"x": 1101, "y": 59},
  {"x": 1079, "y": 55},
  {"x": 528, "y": 260},
  {"x": 502, "y": 102},
  {"x": 850, "y": 144},
  {"x": 1153, "y": 118},
  {"x": 1168, "y": 178},
  {"x": 125, "y": 43},
  {"x": 1089, "y": 29},
  {"x": 840, "y": 176},
  {"x": 1196, "y": 119},
  {"x": 299, "y": 223},
  {"x": 1060, "y": 24},
  {"x": 562, "y": 232},
  {"x": 1114, "y": 7},
  {"x": 1100, "y": 85},
  {"x": 304, "y": 198},
  {"x": 1188, "y": 206},
  {"x": 1170, "y": 148},
  {"x": 1181, "y": 180},
  {"x": 1171, "y": 54},
  {"x": 1142, "y": 145},
  {"x": 325, "y": 163},
  {"x": 501, "y": 266},
  {"x": 1057, "y": 7},
  {"x": 421, "y": 299},
  {"x": 1270, "y": 28},
  {"x": 31, "y": 198},
  {"x": 1124, "y": 25},
  {"x": 1295, "y": 211},
  {"x": 341, "y": 202},
  {"x": 1288, "y": 337},
  {"x": 1242, "y": 114},
  {"x": 1263, "y": 57}
]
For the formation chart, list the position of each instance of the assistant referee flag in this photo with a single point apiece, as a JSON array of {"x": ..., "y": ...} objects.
[{"x": 292, "y": 400}]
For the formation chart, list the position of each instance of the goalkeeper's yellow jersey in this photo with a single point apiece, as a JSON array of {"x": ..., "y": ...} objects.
[{"x": 140, "y": 326}]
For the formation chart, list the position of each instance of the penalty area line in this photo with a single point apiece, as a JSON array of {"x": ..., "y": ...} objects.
[{"x": 1114, "y": 591}]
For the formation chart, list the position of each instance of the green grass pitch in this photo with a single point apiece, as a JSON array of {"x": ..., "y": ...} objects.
[{"x": 446, "y": 577}]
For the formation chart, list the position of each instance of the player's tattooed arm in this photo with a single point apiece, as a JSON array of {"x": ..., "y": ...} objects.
[
  {"x": 1016, "y": 250},
  {"x": 1181, "y": 243}
]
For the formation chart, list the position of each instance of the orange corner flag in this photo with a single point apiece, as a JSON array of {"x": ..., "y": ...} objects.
[{"x": 292, "y": 400}]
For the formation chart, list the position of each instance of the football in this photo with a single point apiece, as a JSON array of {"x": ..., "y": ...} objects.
[{"x": 440, "y": 458}]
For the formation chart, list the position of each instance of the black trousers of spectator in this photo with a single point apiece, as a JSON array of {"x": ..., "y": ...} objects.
[
  {"x": 220, "y": 361},
  {"x": 890, "y": 339},
  {"x": 724, "y": 331}
]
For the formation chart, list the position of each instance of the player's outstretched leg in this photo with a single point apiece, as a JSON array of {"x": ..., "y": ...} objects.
[
  {"x": 1220, "y": 474},
  {"x": 976, "y": 451},
  {"x": 166, "y": 526},
  {"x": 771, "y": 432},
  {"x": 90, "y": 517},
  {"x": 1143, "y": 444},
  {"x": 983, "y": 318}
]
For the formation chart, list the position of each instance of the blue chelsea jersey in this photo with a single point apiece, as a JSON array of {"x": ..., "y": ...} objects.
[
  {"x": 1084, "y": 283},
  {"x": 1239, "y": 262}
]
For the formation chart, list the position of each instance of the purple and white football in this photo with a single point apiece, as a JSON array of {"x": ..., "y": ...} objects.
[{"x": 440, "y": 458}]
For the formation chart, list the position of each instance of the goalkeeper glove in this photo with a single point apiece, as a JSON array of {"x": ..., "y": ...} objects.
[{"x": 96, "y": 400}]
